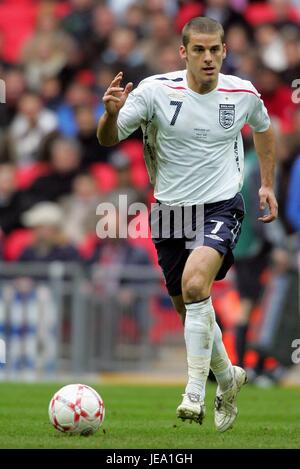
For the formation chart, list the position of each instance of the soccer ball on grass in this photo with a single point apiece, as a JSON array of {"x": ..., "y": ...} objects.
[{"x": 76, "y": 409}]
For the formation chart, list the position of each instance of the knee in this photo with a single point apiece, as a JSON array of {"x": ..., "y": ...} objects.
[{"x": 195, "y": 288}]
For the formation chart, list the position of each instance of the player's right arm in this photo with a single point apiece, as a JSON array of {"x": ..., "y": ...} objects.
[
  {"x": 114, "y": 99},
  {"x": 264, "y": 143}
]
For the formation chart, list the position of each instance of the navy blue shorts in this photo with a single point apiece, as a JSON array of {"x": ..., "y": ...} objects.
[{"x": 220, "y": 230}]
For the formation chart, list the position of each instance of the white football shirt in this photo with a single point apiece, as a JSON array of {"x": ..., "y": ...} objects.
[{"x": 193, "y": 147}]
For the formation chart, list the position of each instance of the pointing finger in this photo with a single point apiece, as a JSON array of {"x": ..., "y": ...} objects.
[{"x": 117, "y": 79}]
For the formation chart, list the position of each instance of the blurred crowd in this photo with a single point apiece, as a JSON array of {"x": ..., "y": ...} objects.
[{"x": 57, "y": 59}]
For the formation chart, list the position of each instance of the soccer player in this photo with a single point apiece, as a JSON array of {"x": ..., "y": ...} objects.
[{"x": 191, "y": 120}]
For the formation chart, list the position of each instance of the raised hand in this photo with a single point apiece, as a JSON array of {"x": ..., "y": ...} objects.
[{"x": 115, "y": 96}]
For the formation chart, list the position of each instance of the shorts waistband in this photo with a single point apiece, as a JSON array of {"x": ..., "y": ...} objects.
[{"x": 206, "y": 204}]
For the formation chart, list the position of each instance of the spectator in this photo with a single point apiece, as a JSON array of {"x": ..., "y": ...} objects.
[
  {"x": 75, "y": 63},
  {"x": 1, "y": 247},
  {"x": 51, "y": 93},
  {"x": 293, "y": 198},
  {"x": 3, "y": 62},
  {"x": 122, "y": 165},
  {"x": 103, "y": 23},
  {"x": 161, "y": 35},
  {"x": 103, "y": 77},
  {"x": 50, "y": 244},
  {"x": 135, "y": 18},
  {"x": 222, "y": 11},
  {"x": 271, "y": 47},
  {"x": 120, "y": 8},
  {"x": 64, "y": 167},
  {"x": 15, "y": 86},
  {"x": 114, "y": 257},
  {"x": 79, "y": 208},
  {"x": 76, "y": 95},
  {"x": 45, "y": 54},
  {"x": 247, "y": 65},
  {"x": 78, "y": 21},
  {"x": 293, "y": 137},
  {"x": 32, "y": 123},
  {"x": 114, "y": 250},
  {"x": 277, "y": 97},
  {"x": 11, "y": 200},
  {"x": 286, "y": 153},
  {"x": 167, "y": 60},
  {"x": 285, "y": 13},
  {"x": 238, "y": 43},
  {"x": 123, "y": 53},
  {"x": 168, "y": 7},
  {"x": 291, "y": 38},
  {"x": 86, "y": 135}
]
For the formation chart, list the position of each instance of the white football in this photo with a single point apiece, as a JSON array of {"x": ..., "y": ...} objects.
[{"x": 76, "y": 409}]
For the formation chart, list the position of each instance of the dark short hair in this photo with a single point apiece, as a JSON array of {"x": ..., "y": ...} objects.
[{"x": 201, "y": 24}]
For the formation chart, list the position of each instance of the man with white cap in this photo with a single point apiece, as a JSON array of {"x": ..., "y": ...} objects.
[{"x": 49, "y": 244}]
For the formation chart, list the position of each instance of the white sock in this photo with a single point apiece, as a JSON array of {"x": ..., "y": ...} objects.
[
  {"x": 220, "y": 364},
  {"x": 199, "y": 336}
]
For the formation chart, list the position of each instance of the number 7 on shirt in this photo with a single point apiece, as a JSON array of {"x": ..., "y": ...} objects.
[{"x": 178, "y": 105}]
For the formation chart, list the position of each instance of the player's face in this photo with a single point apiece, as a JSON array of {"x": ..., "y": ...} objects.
[{"x": 204, "y": 55}]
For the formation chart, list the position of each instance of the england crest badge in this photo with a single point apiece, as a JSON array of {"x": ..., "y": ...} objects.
[{"x": 226, "y": 115}]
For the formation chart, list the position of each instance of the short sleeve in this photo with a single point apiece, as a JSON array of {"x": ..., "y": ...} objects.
[
  {"x": 137, "y": 109},
  {"x": 257, "y": 117}
]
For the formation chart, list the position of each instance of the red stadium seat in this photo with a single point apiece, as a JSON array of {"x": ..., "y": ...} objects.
[
  {"x": 134, "y": 150},
  {"x": 17, "y": 22},
  {"x": 165, "y": 322},
  {"x": 226, "y": 301},
  {"x": 85, "y": 77},
  {"x": 14, "y": 3},
  {"x": 26, "y": 176},
  {"x": 139, "y": 176},
  {"x": 227, "y": 306},
  {"x": 105, "y": 176},
  {"x": 260, "y": 13},
  {"x": 16, "y": 242},
  {"x": 146, "y": 243},
  {"x": 150, "y": 197},
  {"x": 87, "y": 246},
  {"x": 186, "y": 13},
  {"x": 62, "y": 9}
]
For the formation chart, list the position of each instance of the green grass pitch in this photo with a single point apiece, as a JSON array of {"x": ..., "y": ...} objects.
[{"x": 144, "y": 417}]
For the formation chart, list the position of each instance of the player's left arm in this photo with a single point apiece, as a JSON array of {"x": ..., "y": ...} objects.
[{"x": 264, "y": 143}]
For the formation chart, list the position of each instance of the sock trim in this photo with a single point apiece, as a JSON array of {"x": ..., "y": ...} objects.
[{"x": 199, "y": 301}]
